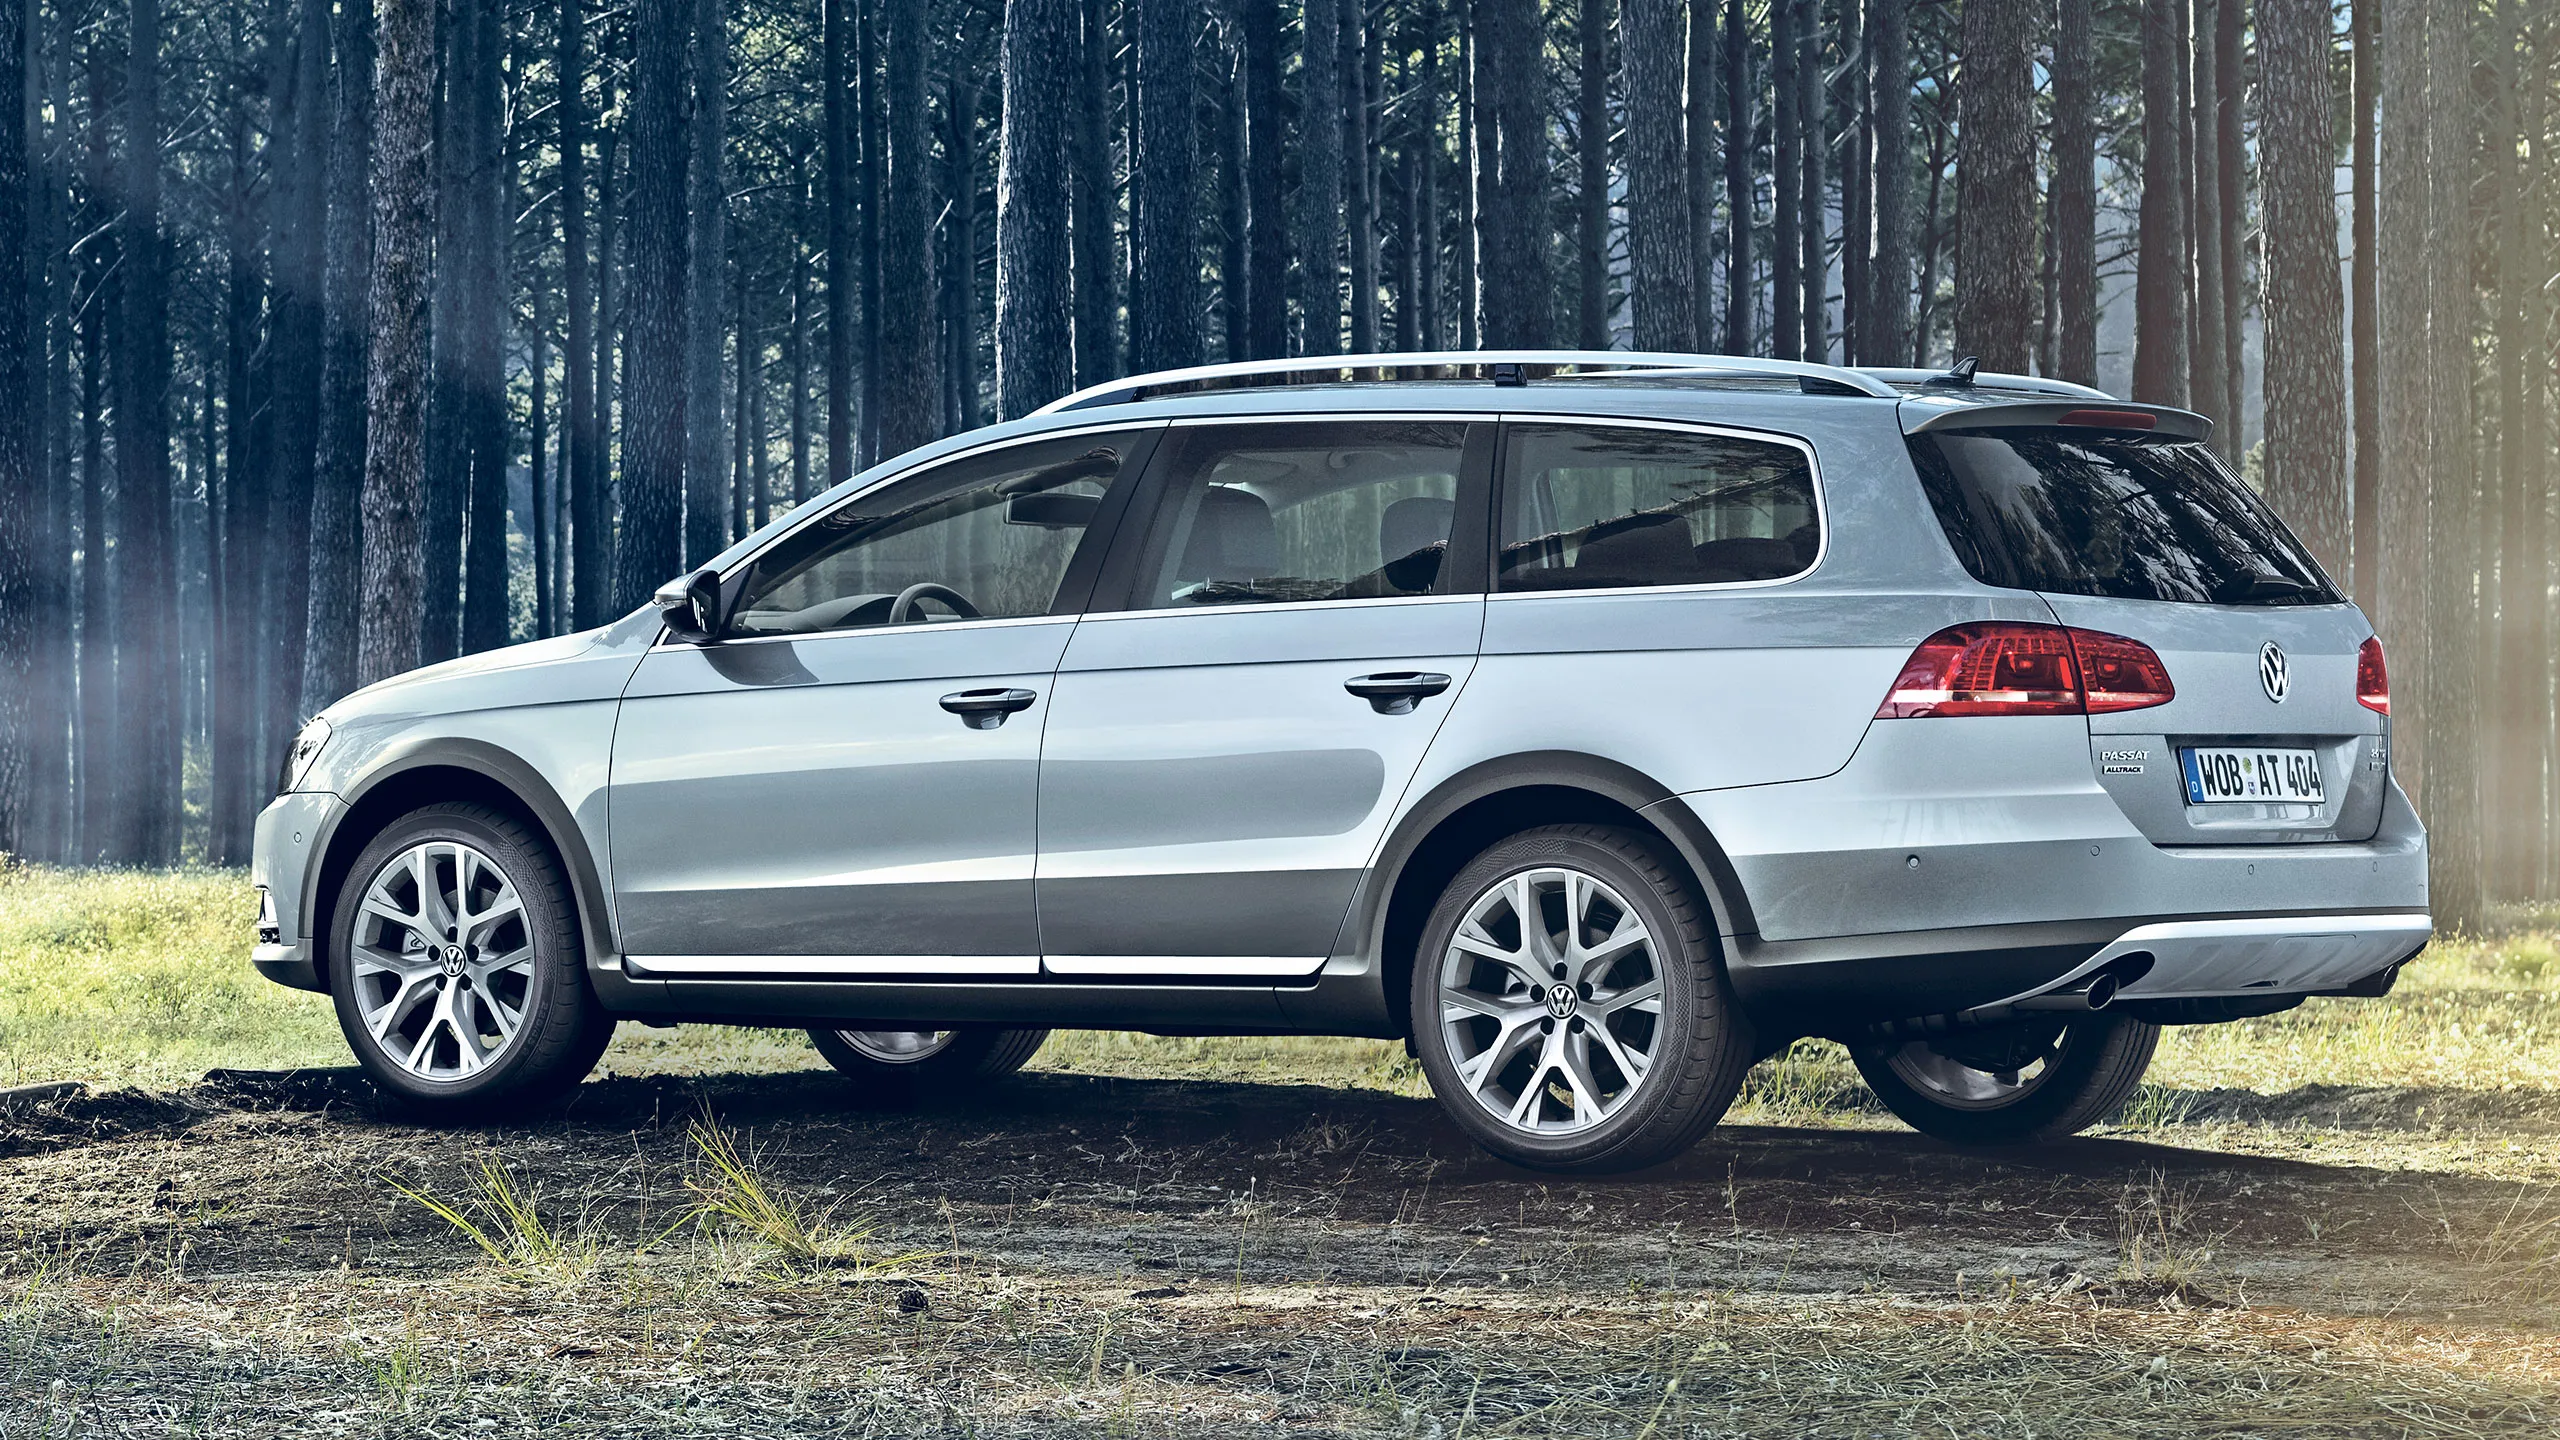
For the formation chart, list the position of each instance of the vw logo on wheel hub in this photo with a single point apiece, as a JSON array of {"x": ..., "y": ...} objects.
[
  {"x": 453, "y": 960},
  {"x": 1563, "y": 1000},
  {"x": 2273, "y": 676}
]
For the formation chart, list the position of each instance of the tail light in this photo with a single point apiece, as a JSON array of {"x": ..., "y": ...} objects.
[
  {"x": 2373, "y": 682},
  {"x": 2018, "y": 668}
]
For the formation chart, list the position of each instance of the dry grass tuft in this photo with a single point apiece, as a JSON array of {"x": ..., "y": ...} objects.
[
  {"x": 732, "y": 1193},
  {"x": 509, "y": 1227}
]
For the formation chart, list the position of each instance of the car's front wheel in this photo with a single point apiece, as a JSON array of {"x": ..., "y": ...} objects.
[
  {"x": 2015, "y": 1084},
  {"x": 903, "y": 1065},
  {"x": 1568, "y": 1004},
  {"x": 456, "y": 966}
]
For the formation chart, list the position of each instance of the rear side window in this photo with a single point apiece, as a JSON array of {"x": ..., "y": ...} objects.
[
  {"x": 2126, "y": 517},
  {"x": 1610, "y": 507}
]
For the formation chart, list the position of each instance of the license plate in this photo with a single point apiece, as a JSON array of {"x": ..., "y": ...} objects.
[{"x": 2219, "y": 775}]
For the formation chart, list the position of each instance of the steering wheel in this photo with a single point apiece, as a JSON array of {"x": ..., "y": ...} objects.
[{"x": 902, "y": 609}]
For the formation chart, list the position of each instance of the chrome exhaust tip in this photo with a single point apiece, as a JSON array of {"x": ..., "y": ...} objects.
[{"x": 2098, "y": 994}]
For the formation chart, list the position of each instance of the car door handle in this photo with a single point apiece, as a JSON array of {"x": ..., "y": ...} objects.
[
  {"x": 986, "y": 709},
  {"x": 1394, "y": 692}
]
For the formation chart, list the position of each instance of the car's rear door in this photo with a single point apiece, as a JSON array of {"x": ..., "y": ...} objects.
[
  {"x": 1300, "y": 608},
  {"x": 836, "y": 789}
]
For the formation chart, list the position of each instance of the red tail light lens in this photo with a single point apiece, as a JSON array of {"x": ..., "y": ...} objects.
[
  {"x": 2373, "y": 682},
  {"x": 2018, "y": 668}
]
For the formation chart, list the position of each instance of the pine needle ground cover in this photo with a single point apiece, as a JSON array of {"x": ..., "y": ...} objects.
[{"x": 2344, "y": 1220}]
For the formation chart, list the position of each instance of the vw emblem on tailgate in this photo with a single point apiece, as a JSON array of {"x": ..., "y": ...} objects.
[{"x": 2272, "y": 676}]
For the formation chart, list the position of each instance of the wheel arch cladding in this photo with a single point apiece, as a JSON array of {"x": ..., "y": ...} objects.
[
  {"x": 1471, "y": 811},
  {"x": 453, "y": 771}
]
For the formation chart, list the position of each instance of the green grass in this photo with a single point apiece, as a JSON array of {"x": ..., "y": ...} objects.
[{"x": 142, "y": 978}]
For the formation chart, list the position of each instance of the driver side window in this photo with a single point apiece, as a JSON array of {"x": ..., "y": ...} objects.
[{"x": 986, "y": 537}]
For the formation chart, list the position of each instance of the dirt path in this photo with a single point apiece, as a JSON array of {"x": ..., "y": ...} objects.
[{"x": 1161, "y": 1256}]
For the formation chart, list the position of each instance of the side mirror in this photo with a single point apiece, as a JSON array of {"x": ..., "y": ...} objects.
[{"x": 690, "y": 607}]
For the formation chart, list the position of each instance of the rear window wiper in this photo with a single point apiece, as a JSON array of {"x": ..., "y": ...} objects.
[{"x": 2263, "y": 587}]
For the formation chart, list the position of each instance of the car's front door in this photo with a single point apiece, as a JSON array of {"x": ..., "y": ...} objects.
[
  {"x": 1223, "y": 754},
  {"x": 845, "y": 781}
]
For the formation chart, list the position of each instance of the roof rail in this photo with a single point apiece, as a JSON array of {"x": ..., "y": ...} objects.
[
  {"x": 1455, "y": 365},
  {"x": 1989, "y": 380}
]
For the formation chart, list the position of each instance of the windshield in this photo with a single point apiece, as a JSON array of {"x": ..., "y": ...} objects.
[{"x": 2122, "y": 516}]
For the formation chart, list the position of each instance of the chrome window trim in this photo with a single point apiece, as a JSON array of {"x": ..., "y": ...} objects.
[
  {"x": 937, "y": 627},
  {"x": 1100, "y": 617},
  {"x": 1813, "y": 467}
]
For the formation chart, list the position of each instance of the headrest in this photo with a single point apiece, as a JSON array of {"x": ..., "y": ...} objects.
[
  {"x": 1414, "y": 524},
  {"x": 1640, "y": 550},
  {"x": 1232, "y": 538},
  {"x": 1751, "y": 558}
]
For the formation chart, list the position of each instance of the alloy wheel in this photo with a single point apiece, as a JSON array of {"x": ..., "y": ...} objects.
[
  {"x": 898, "y": 1047},
  {"x": 1982, "y": 1077},
  {"x": 1550, "y": 1001},
  {"x": 442, "y": 961}
]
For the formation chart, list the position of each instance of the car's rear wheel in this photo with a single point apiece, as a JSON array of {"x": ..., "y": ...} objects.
[
  {"x": 900, "y": 1065},
  {"x": 2016, "y": 1084},
  {"x": 1569, "y": 1008},
  {"x": 456, "y": 966}
]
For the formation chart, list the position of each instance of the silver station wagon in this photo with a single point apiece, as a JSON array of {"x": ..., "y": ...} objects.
[{"x": 1596, "y": 724}]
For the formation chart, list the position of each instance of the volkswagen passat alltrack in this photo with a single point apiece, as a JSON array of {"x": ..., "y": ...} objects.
[{"x": 1596, "y": 724}]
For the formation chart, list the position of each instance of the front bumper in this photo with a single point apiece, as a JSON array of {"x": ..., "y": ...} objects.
[{"x": 282, "y": 865}]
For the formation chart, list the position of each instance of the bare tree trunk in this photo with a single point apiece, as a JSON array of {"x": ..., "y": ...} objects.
[
  {"x": 2306, "y": 403},
  {"x": 449, "y": 412},
  {"x": 2205, "y": 387},
  {"x": 1097, "y": 279},
  {"x": 1738, "y": 91},
  {"x": 1469, "y": 286},
  {"x": 1889, "y": 282},
  {"x": 1235, "y": 217},
  {"x": 1698, "y": 123},
  {"x": 1518, "y": 299},
  {"x": 1035, "y": 358},
  {"x": 1857, "y": 184},
  {"x": 1662, "y": 248},
  {"x": 337, "y": 524},
  {"x": 1591, "y": 193},
  {"x": 483, "y": 309},
  {"x": 147, "y": 651},
  {"x": 706, "y": 468},
  {"x": 1996, "y": 184},
  {"x": 395, "y": 372},
  {"x": 1360, "y": 172},
  {"x": 2230, "y": 24},
  {"x": 1266, "y": 226},
  {"x": 875, "y": 166},
  {"x": 960, "y": 228},
  {"x": 1427, "y": 185},
  {"x": 296, "y": 341},
  {"x": 1164, "y": 289},
  {"x": 2366, "y": 298},
  {"x": 590, "y": 575},
  {"x": 94, "y": 734},
  {"x": 2405, "y": 245},
  {"x": 1786, "y": 182},
  {"x": 2454, "y": 547},
  {"x": 910, "y": 409},
  {"x": 654, "y": 422},
  {"x": 2074, "y": 211},
  {"x": 1319, "y": 219},
  {"x": 799, "y": 408},
  {"x": 1812, "y": 114},
  {"x": 2516, "y": 770},
  {"x": 2160, "y": 284},
  {"x": 22, "y": 482},
  {"x": 836, "y": 161}
]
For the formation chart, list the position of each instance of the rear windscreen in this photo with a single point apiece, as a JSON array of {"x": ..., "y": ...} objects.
[{"x": 2125, "y": 516}]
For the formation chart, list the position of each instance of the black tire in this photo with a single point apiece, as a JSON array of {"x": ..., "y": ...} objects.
[
  {"x": 2091, "y": 1064},
  {"x": 1698, "y": 1042},
  {"x": 560, "y": 1029},
  {"x": 949, "y": 1062}
]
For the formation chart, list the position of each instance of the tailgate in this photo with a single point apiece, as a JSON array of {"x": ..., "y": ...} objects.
[{"x": 2258, "y": 687}]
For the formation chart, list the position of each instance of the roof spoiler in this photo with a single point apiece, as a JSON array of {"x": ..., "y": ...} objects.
[{"x": 1974, "y": 412}]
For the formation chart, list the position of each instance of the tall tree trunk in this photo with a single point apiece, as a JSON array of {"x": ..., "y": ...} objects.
[
  {"x": 2306, "y": 402},
  {"x": 2161, "y": 261},
  {"x": 482, "y": 343},
  {"x": 449, "y": 413},
  {"x": 1591, "y": 194},
  {"x": 2366, "y": 299},
  {"x": 94, "y": 766},
  {"x": 1518, "y": 298},
  {"x": 1360, "y": 173},
  {"x": 1996, "y": 184},
  {"x": 337, "y": 524},
  {"x": 50, "y": 615},
  {"x": 1812, "y": 115},
  {"x": 2454, "y": 539},
  {"x": 874, "y": 167},
  {"x": 236, "y": 654},
  {"x": 1786, "y": 184},
  {"x": 2230, "y": 25},
  {"x": 22, "y": 482},
  {"x": 960, "y": 306},
  {"x": 546, "y": 622},
  {"x": 799, "y": 408},
  {"x": 1235, "y": 218},
  {"x": 1319, "y": 218},
  {"x": 1266, "y": 226},
  {"x": 1097, "y": 280},
  {"x": 1888, "y": 317},
  {"x": 2405, "y": 244},
  {"x": 706, "y": 462},
  {"x": 2074, "y": 210},
  {"x": 1164, "y": 289},
  {"x": 1469, "y": 288},
  {"x": 295, "y": 341},
  {"x": 654, "y": 422},
  {"x": 1698, "y": 129},
  {"x": 1035, "y": 358},
  {"x": 611, "y": 256},
  {"x": 1857, "y": 183},
  {"x": 836, "y": 160},
  {"x": 2205, "y": 387},
  {"x": 2517, "y": 752},
  {"x": 1426, "y": 198},
  {"x": 1738, "y": 91},
  {"x": 910, "y": 408},
  {"x": 395, "y": 371},
  {"x": 590, "y": 579},
  {"x": 1662, "y": 249},
  {"x": 146, "y": 774}
]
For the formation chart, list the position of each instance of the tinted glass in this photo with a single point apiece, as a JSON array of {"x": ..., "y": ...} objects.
[
  {"x": 995, "y": 531},
  {"x": 1316, "y": 510},
  {"x": 2082, "y": 512},
  {"x": 1587, "y": 507}
]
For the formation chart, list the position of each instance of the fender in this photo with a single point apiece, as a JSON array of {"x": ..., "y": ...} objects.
[{"x": 505, "y": 771}]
